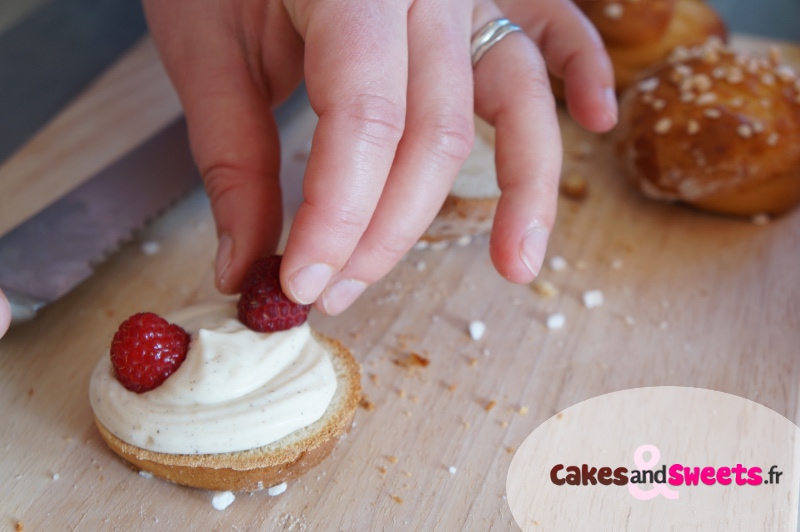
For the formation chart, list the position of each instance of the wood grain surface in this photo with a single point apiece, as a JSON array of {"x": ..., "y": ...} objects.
[{"x": 690, "y": 300}]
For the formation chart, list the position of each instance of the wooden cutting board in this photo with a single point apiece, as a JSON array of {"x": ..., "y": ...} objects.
[{"x": 690, "y": 300}]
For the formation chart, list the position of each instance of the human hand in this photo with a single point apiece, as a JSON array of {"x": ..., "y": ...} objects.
[
  {"x": 5, "y": 314},
  {"x": 392, "y": 85}
]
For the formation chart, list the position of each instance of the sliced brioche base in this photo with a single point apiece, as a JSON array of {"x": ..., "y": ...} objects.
[
  {"x": 460, "y": 217},
  {"x": 470, "y": 215},
  {"x": 256, "y": 469}
]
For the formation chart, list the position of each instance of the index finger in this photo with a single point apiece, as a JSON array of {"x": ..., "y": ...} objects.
[{"x": 356, "y": 77}]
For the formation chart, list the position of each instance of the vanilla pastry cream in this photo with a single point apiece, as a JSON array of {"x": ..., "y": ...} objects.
[{"x": 237, "y": 389}]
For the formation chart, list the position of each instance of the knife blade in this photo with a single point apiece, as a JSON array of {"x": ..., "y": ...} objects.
[{"x": 47, "y": 255}]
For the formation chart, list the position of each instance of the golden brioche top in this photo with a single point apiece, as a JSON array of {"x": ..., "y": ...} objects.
[
  {"x": 626, "y": 22},
  {"x": 710, "y": 119}
]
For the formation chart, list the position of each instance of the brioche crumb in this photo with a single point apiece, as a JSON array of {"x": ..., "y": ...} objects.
[
  {"x": 451, "y": 387},
  {"x": 397, "y": 499},
  {"x": 392, "y": 459},
  {"x": 503, "y": 424},
  {"x": 401, "y": 393},
  {"x": 366, "y": 404},
  {"x": 18, "y": 526},
  {"x": 574, "y": 186},
  {"x": 472, "y": 362},
  {"x": 412, "y": 360},
  {"x": 523, "y": 410},
  {"x": 382, "y": 470},
  {"x": 510, "y": 450},
  {"x": 544, "y": 288},
  {"x": 490, "y": 405},
  {"x": 452, "y": 470},
  {"x": 559, "y": 415}
]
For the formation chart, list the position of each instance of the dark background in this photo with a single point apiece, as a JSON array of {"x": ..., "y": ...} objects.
[{"x": 49, "y": 49}]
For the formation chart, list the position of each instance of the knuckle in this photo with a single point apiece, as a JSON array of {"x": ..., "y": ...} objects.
[
  {"x": 221, "y": 180},
  {"x": 376, "y": 119},
  {"x": 450, "y": 136},
  {"x": 342, "y": 221},
  {"x": 534, "y": 85},
  {"x": 390, "y": 248}
]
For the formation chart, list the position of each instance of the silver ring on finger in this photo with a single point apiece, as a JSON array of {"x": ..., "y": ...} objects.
[{"x": 489, "y": 35}]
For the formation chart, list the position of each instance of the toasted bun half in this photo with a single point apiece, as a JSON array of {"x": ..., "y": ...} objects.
[
  {"x": 256, "y": 469},
  {"x": 470, "y": 206},
  {"x": 715, "y": 129}
]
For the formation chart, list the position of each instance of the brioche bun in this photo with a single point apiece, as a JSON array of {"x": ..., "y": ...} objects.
[
  {"x": 641, "y": 33},
  {"x": 714, "y": 129}
]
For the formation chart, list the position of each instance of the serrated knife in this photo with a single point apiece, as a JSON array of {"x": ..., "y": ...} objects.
[{"x": 52, "y": 252}]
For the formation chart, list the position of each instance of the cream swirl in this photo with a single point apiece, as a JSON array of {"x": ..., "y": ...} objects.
[{"x": 236, "y": 390}]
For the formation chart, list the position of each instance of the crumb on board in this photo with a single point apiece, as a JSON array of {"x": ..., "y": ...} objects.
[
  {"x": 560, "y": 415},
  {"x": 374, "y": 379},
  {"x": 523, "y": 410},
  {"x": 401, "y": 393},
  {"x": 18, "y": 526},
  {"x": 503, "y": 424},
  {"x": 574, "y": 186},
  {"x": 556, "y": 321},
  {"x": 397, "y": 499},
  {"x": 392, "y": 459},
  {"x": 490, "y": 405},
  {"x": 544, "y": 288},
  {"x": 452, "y": 470},
  {"x": 592, "y": 298},
  {"x": 382, "y": 470},
  {"x": 451, "y": 387},
  {"x": 412, "y": 360},
  {"x": 276, "y": 490},
  {"x": 477, "y": 329},
  {"x": 510, "y": 450},
  {"x": 150, "y": 247},
  {"x": 472, "y": 362},
  {"x": 366, "y": 404},
  {"x": 558, "y": 263},
  {"x": 222, "y": 499}
]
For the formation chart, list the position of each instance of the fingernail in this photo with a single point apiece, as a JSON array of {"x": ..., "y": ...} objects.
[
  {"x": 611, "y": 104},
  {"x": 341, "y": 295},
  {"x": 223, "y": 262},
  {"x": 308, "y": 283},
  {"x": 532, "y": 249}
]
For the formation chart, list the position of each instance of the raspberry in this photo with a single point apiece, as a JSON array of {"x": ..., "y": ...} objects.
[
  {"x": 263, "y": 307},
  {"x": 147, "y": 349}
]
